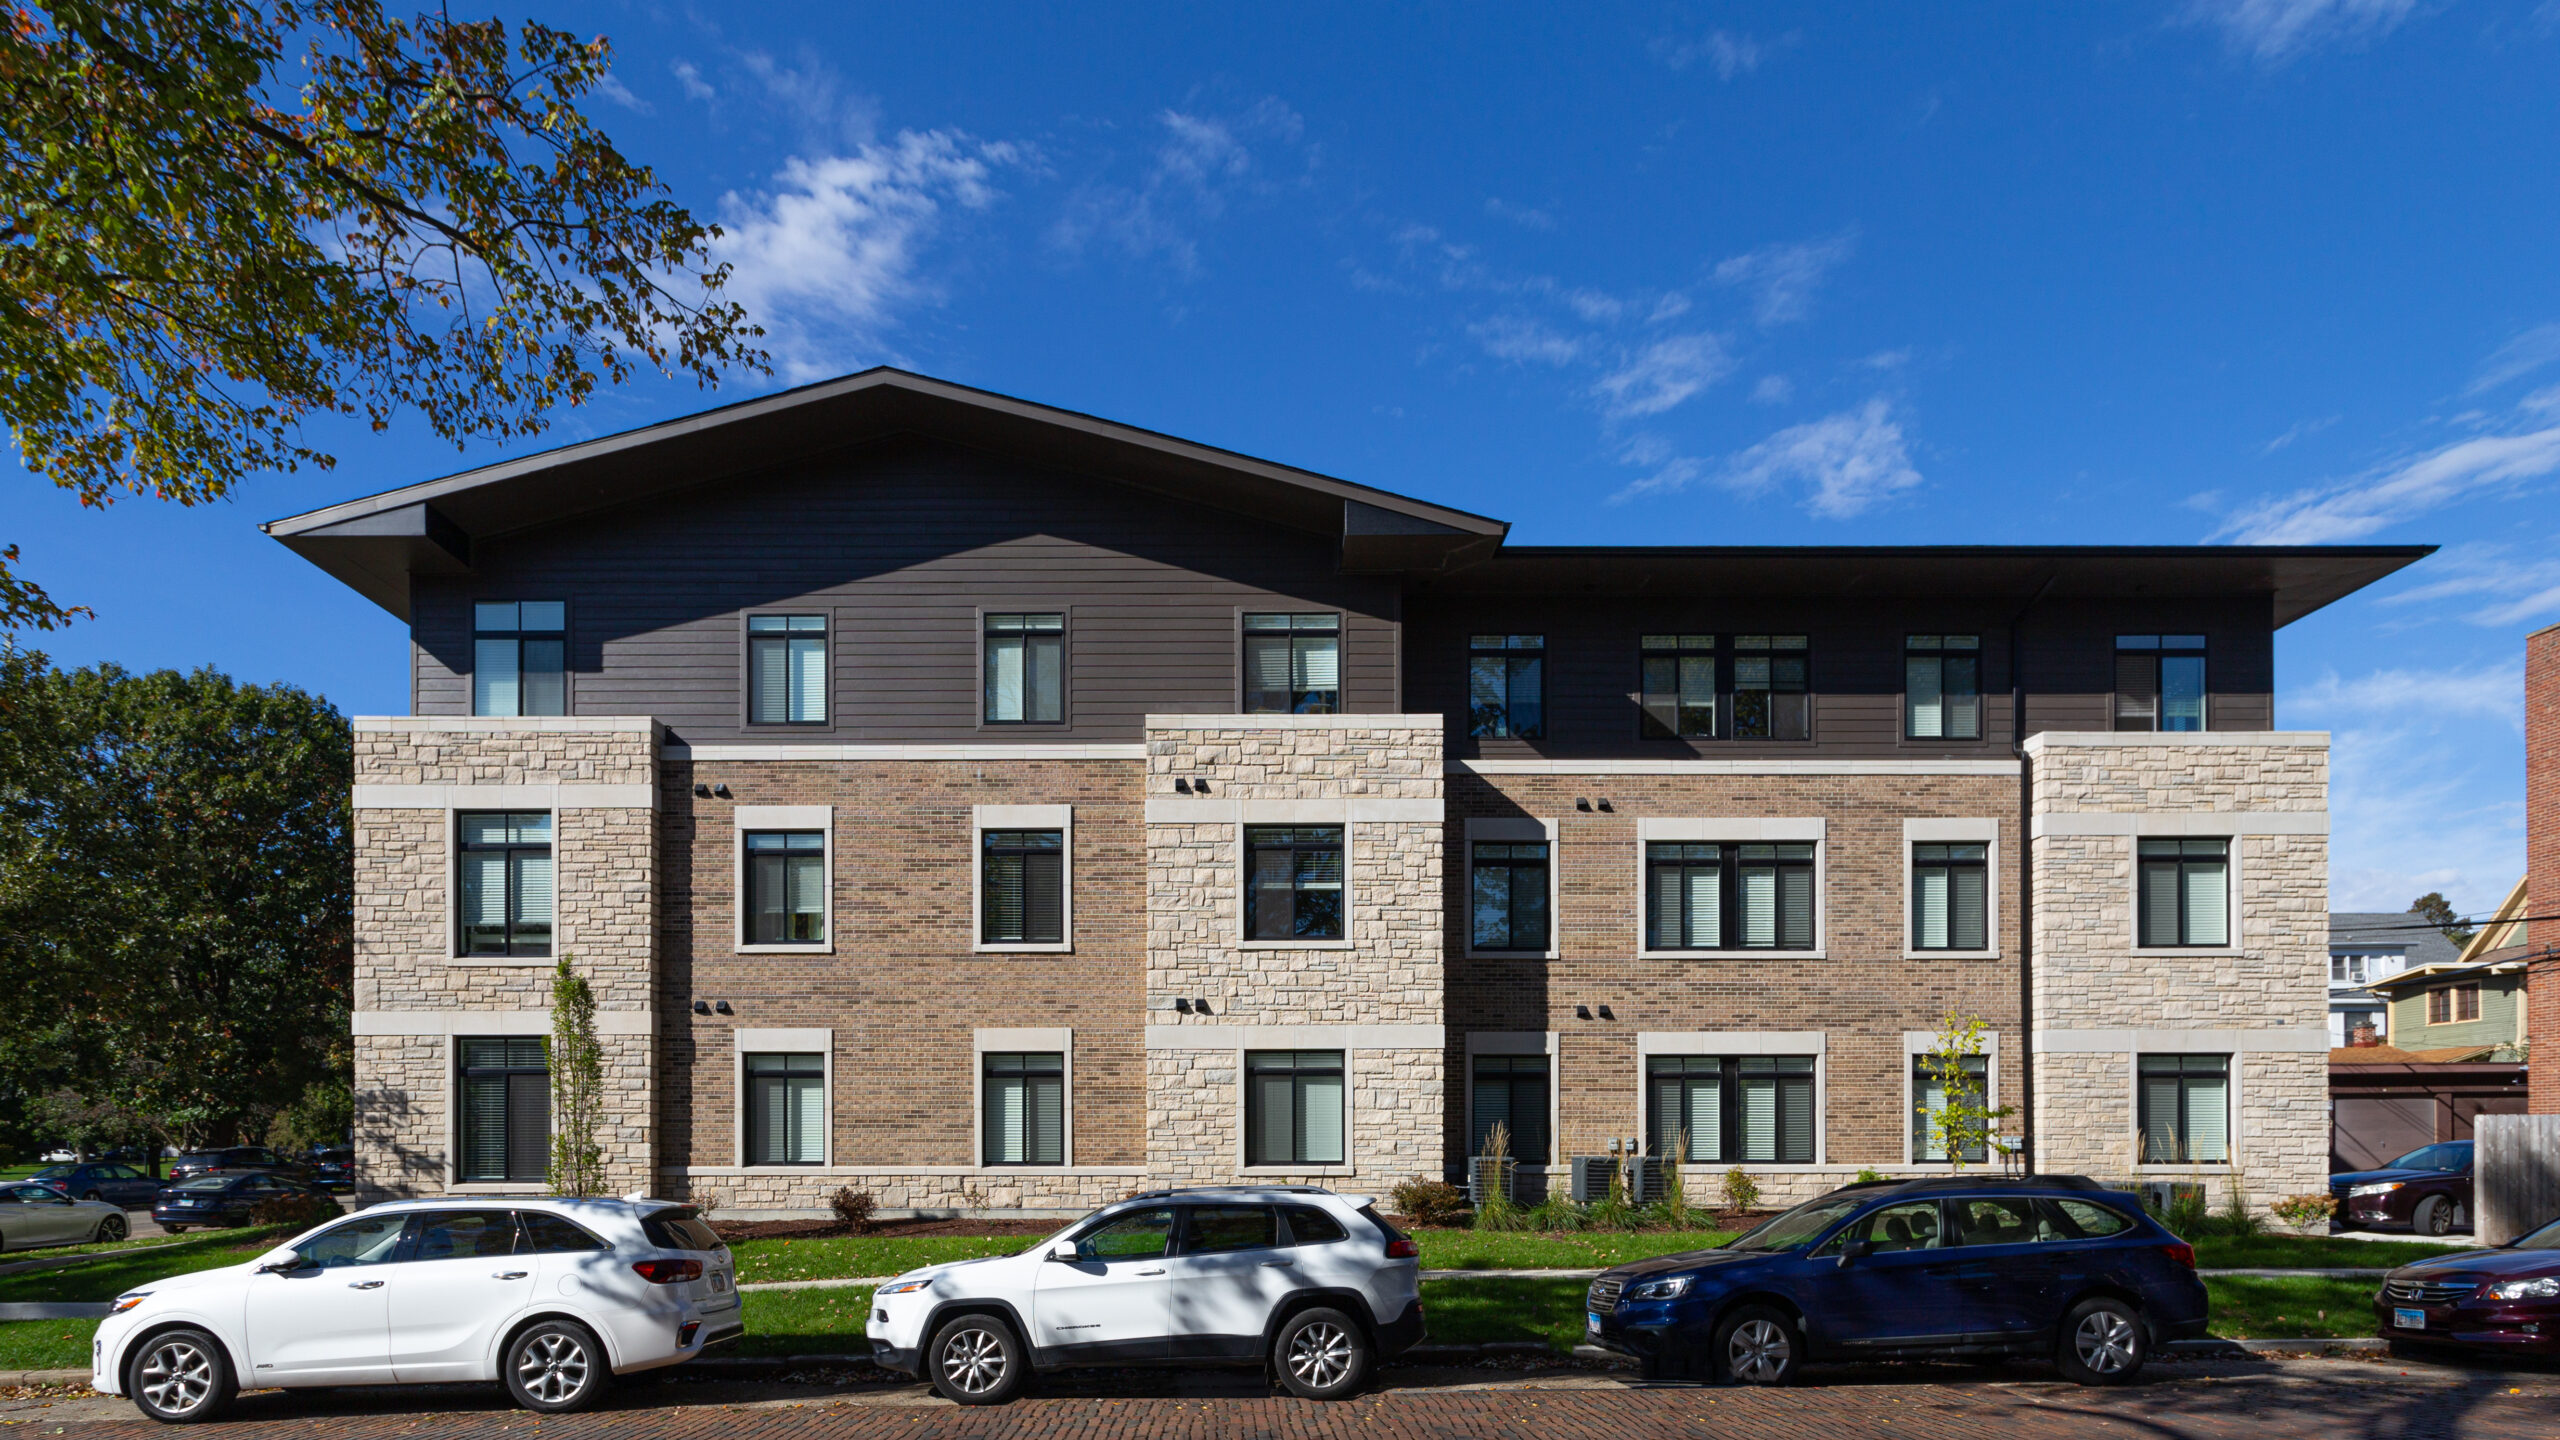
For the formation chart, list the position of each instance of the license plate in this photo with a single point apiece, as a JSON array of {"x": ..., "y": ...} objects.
[
  {"x": 719, "y": 1283},
  {"x": 1594, "y": 1326},
  {"x": 2409, "y": 1319}
]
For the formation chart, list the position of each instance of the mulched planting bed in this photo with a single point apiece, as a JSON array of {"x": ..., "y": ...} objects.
[{"x": 830, "y": 1229}]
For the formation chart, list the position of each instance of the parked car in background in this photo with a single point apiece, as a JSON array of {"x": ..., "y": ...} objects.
[
  {"x": 2051, "y": 1266},
  {"x": 33, "y": 1214},
  {"x": 234, "y": 1160},
  {"x": 2503, "y": 1299},
  {"x": 119, "y": 1185},
  {"x": 218, "y": 1199},
  {"x": 334, "y": 1170},
  {"x": 2427, "y": 1191}
]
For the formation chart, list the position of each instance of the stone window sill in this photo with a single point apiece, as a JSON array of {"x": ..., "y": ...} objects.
[
  {"x": 2198, "y": 952},
  {"x": 1327, "y": 1171},
  {"x": 1024, "y": 948},
  {"x": 1474, "y": 954},
  {"x": 1294, "y": 944},
  {"x": 1819, "y": 952},
  {"x": 504, "y": 962},
  {"x": 1950, "y": 954},
  {"x": 784, "y": 949}
]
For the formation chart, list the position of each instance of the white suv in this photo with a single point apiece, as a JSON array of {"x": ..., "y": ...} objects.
[
  {"x": 1312, "y": 1284},
  {"x": 552, "y": 1297}
]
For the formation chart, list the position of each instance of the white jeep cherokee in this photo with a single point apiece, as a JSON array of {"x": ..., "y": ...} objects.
[{"x": 1312, "y": 1284}]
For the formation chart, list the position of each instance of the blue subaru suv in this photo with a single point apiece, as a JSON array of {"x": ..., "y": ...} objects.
[{"x": 1952, "y": 1265}]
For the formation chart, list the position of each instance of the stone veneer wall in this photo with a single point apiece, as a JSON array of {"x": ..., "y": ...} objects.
[{"x": 2098, "y": 1002}]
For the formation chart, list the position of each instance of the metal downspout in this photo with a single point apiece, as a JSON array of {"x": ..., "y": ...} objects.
[{"x": 2026, "y": 883}]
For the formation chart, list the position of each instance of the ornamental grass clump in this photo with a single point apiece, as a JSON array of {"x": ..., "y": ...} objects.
[
  {"x": 1494, "y": 1207},
  {"x": 1558, "y": 1214},
  {"x": 1611, "y": 1211}
]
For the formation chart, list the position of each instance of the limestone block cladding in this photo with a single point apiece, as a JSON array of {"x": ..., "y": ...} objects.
[
  {"x": 2102, "y": 1001},
  {"x": 415, "y": 994}
]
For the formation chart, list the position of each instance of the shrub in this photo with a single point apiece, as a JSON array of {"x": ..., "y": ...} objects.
[
  {"x": 301, "y": 1207},
  {"x": 1493, "y": 1175},
  {"x": 1869, "y": 1175},
  {"x": 2238, "y": 1219},
  {"x": 2186, "y": 1214},
  {"x": 854, "y": 1207},
  {"x": 1557, "y": 1213},
  {"x": 2306, "y": 1212},
  {"x": 1675, "y": 1188},
  {"x": 1741, "y": 1192},
  {"x": 1611, "y": 1211},
  {"x": 1431, "y": 1202}
]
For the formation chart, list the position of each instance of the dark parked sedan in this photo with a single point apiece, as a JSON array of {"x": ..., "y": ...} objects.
[
  {"x": 334, "y": 1170},
  {"x": 2427, "y": 1190},
  {"x": 2502, "y": 1299},
  {"x": 2052, "y": 1266},
  {"x": 235, "y": 1160},
  {"x": 219, "y": 1199},
  {"x": 115, "y": 1184}
]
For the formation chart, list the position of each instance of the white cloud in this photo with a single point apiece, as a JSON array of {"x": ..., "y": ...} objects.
[
  {"x": 610, "y": 86},
  {"x": 1847, "y": 464},
  {"x": 1520, "y": 215},
  {"x": 1662, "y": 376},
  {"x": 2299, "y": 431},
  {"x": 2519, "y": 590},
  {"x": 2399, "y": 491},
  {"x": 1728, "y": 53},
  {"x": 1671, "y": 306},
  {"x": 1782, "y": 278},
  {"x": 829, "y": 117},
  {"x": 691, "y": 79},
  {"x": 2275, "y": 31},
  {"x": 1199, "y": 164},
  {"x": 1514, "y": 337},
  {"x": 2422, "y": 794},
  {"x": 1773, "y": 390},
  {"x": 2488, "y": 692},
  {"x": 2517, "y": 358}
]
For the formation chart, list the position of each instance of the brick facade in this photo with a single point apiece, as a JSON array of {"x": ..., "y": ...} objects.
[{"x": 2542, "y": 863}]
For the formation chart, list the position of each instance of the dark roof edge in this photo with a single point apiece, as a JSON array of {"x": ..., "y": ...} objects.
[{"x": 2024, "y": 552}]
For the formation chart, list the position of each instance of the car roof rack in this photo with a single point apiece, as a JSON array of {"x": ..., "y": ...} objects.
[
  {"x": 1927, "y": 1183},
  {"x": 1230, "y": 1190}
]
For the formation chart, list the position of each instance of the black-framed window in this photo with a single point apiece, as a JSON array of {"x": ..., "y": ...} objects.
[
  {"x": 1293, "y": 882},
  {"x": 2185, "y": 892},
  {"x": 1293, "y": 1102},
  {"x": 1950, "y": 897},
  {"x": 2160, "y": 682},
  {"x": 1942, "y": 687},
  {"x": 1507, "y": 895},
  {"x": 1929, "y": 1096},
  {"x": 505, "y": 887},
  {"x": 786, "y": 887},
  {"x": 1024, "y": 1098},
  {"x": 1723, "y": 896},
  {"x": 786, "y": 670},
  {"x": 1511, "y": 1091},
  {"x": 506, "y": 1108},
  {"x": 1292, "y": 664},
  {"x": 1026, "y": 669},
  {"x": 1022, "y": 887},
  {"x": 519, "y": 657},
  {"x": 1507, "y": 686},
  {"x": 1772, "y": 678},
  {"x": 2186, "y": 1109},
  {"x": 1733, "y": 1108},
  {"x": 1679, "y": 687},
  {"x": 786, "y": 1109}
]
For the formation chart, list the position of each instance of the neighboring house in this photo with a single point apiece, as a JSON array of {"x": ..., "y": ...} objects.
[
  {"x": 2477, "y": 1005},
  {"x": 991, "y": 806},
  {"x": 2368, "y": 946},
  {"x": 2456, "y": 1028}
]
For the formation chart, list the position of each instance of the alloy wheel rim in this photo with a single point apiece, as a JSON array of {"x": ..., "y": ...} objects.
[
  {"x": 1759, "y": 1351},
  {"x": 552, "y": 1368},
  {"x": 973, "y": 1361},
  {"x": 1320, "y": 1354},
  {"x": 111, "y": 1228},
  {"x": 176, "y": 1376},
  {"x": 2104, "y": 1342}
]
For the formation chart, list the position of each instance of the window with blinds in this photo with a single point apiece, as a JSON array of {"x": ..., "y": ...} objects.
[
  {"x": 1511, "y": 1091},
  {"x": 2160, "y": 682},
  {"x": 1025, "y": 1100},
  {"x": 786, "y": 670},
  {"x": 1679, "y": 687},
  {"x": 1292, "y": 664},
  {"x": 505, "y": 1121},
  {"x": 1293, "y": 1107},
  {"x": 2185, "y": 892},
  {"x": 786, "y": 887},
  {"x": 2186, "y": 1109},
  {"x": 1026, "y": 658},
  {"x": 1942, "y": 687},
  {"x": 1293, "y": 882},
  {"x": 1929, "y": 1097},
  {"x": 1507, "y": 686},
  {"x": 1729, "y": 897},
  {"x": 519, "y": 657},
  {"x": 1771, "y": 688},
  {"x": 1507, "y": 896},
  {"x": 1022, "y": 887},
  {"x": 1950, "y": 897},
  {"x": 2453, "y": 1004},
  {"x": 505, "y": 887},
  {"x": 786, "y": 1109},
  {"x": 1731, "y": 1108}
]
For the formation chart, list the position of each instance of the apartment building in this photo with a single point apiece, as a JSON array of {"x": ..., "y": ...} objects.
[{"x": 1000, "y": 808}]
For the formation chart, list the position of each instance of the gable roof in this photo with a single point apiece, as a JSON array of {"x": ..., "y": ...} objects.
[{"x": 2423, "y": 943}]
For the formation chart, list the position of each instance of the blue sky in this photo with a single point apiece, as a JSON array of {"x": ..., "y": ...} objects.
[{"x": 2167, "y": 271}]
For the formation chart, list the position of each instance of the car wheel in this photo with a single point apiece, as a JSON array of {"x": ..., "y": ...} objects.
[
  {"x": 179, "y": 1377},
  {"x": 2103, "y": 1343},
  {"x": 976, "y": 1360},
  {"x": 556, "y": 1367},
  {"x": 2433, "y": 1217},
  {"x": 111, "y": 1228},
  {"x": 1758, "y": 1346},
  {"x": 1322, "y": 1355},
  {"x": 174, "y": 1229}
]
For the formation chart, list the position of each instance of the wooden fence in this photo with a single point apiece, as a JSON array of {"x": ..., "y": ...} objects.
[{"x": 2515, "y": 1175}]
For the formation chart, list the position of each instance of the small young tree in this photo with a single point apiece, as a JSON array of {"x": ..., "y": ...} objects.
[
  {"x": 577, "y": 1086},
  {"x": 1960, "y": 1125}
]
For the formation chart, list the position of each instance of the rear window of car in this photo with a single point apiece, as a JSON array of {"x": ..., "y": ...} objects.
[
  {"x": 205, "y": 1182},
  {"x": 1311, "y": 1226},
  {"x": 548, "y": 1234},
  {"x": 2087, "y": 1220},
  {"x": 1370, "y": 1214},
  {"x": 681, "y": 1230}
]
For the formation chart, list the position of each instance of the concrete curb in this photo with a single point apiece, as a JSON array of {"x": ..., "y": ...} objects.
[
  {"x": 858, "y": 1280},
  {"x": 43, "y": 1377},
  {"x": 2313, "y": 1274},
  {"x": 2275, "y": 1347}
]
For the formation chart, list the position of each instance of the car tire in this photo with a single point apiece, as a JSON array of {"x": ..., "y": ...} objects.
[
  {"x": 174, "y": 1229},
  {"x": 976, "y": 1360},
  {"x": 2103, "y": 1342},
  {"x": 556, "y": 1367},
  {"x": 1322, "y": 1354},
  {"x": 111, "y": 1228},
  {"x": 180, "y": 1377},
  {"x": 1756, "y": 1345},
  {"x": 2432, "y": 1217}
]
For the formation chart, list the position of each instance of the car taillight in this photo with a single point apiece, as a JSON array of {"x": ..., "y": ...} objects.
[
  {"x": 1401, "y": 1248},
  {"x": 2181, "y": 1252},
  {"x": 668, "y": 1272}
]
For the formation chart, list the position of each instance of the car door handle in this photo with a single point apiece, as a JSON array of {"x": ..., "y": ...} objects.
[
  {"x": 511, "y": 1275},
  {"x": 1157, "y": 1271},
  {"x": 364, "y": 1284},
  {"x": 1281, "y": 1264}
]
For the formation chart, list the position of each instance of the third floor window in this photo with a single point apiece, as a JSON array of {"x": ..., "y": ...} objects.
[
  {"x": 786, "y": 670},
  {"x": 1770, "y": 682},
  {"x": 1026, "y": 658},
  {"x": 1679, "y": 687},
  {"x": 1507, "y": 686},
  {"x": 2159, "y": 682},
  {"x": 519, "y": 657},
  {"x": 1292, "y": 664},
  {"x": 1942, "y": 687}
]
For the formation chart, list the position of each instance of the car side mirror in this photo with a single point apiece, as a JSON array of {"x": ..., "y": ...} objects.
[
  {"x": 281, "y": 1262},
  {"x": 1063, "y": 1253},
  {"x": 1856, "y": 1249}
]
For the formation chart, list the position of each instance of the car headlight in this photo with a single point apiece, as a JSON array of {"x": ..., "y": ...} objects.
[
  {"x": 902, "y": 1287},
  {"x": 128, "y": 1300},
  {"x": 2546, "y": 1288},
  {"x": 2379, "y": 1187},
  {"x": 1670, "y": 1289}
]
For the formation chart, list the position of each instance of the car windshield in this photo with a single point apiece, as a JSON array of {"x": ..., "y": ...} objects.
[
  {"x": 53, "y": 1172},
  {"x": 1795, "y": 1229},
  {"x": 2452, "y": 1155},
  {"x": 206, "y": 1182}
]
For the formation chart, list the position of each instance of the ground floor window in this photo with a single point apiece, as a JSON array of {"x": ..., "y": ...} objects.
[
  {"x": 1929, "y": 1096},
  {"x": 2186, "y": 1109},
  {"x": 786, "y": 1109},
  {"x": 506, "y": 1109},
  {"x": 1511, "y": 1091},
  {"x": 1025, "y": 1094},
  {"x": 1293, "y": 1107},
  {"x": 1731, "y": 1107}
]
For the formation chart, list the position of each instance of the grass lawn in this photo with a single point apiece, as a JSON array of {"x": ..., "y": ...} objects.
[
  {"x": 46, "y": 1344},
  {"x": 2251, "y": 1307},
  {"x": 806, "y": 1322},
  {"x": 1505, "y": 1250},
  {"x": 838, "y": 1257},
  {"x": 2322, "y": 1252},
  {"x": 106, "y": 1279}
]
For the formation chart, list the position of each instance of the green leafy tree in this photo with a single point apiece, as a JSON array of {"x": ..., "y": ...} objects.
[
  {"x": 577, "y": 1086},
  {"x": 1962, "y": 1124},
  {"x": 2436, "y": 910},
  {"x": 221, "y": 221}
]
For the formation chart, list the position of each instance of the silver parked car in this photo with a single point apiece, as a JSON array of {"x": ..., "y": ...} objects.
[{"x": 32, "y": 1215}]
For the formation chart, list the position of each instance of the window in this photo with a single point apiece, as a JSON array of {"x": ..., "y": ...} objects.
[
  {"x": 1293, "y": 1107},
  {"x": 1732, "y": 1108},
  {"x": 1942, "y": 687},
  {"x": 1022, "y": 887},
  {"x": 1025, "y": 1096},
  {"x": 1929, "y": 1096},
  {"x": 506, "y": 882},
  {"x": 1026, "y": 669},
  {"x": 786, "y": 1109},
  {"x": 2186, "y": 1109},
  {"x": 365, "y": 1240},
  {"x": 1217, "y": 1229},
  {"x": 1507, "y": 686},
  {"x": 786, "y": 670},
  {"x": 1511, "y": 1091},
  {"x": 1911, "y": 1225},
  {"x": 1679, "y": 687},
  {"x": 2083, "y": 1220},
  {"x": 1769, "y": 688},
  {"x": 2350, "y": 969},
  {"x": 1292, "y": 664},
  {"x": 548, "y": 1234},
  {"x": 2186, "y": 892},
  {"x": 1293, "y": 884},
  {"x": 1729, "y": 897},
  {"x": 506, "y": 1109},
  {"x": 1950, "y": 895},
  {"x": 2160, "y": 682},
  {"x": 1134, "y": 1235},
  {"x": 2453, "y": 1004},
  {"x": 1507, "y": 896},
  {"x": 519, "y": 657},
  {"x": 786, "y": 887},
  {"x": 464, "y": 1234},
  {"x": 1311, "y": 1226}
]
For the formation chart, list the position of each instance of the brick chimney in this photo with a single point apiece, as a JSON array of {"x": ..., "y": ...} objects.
[
  {"x": 2542, "y": 864},
  {"x": 2362, "y": 1036}
]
